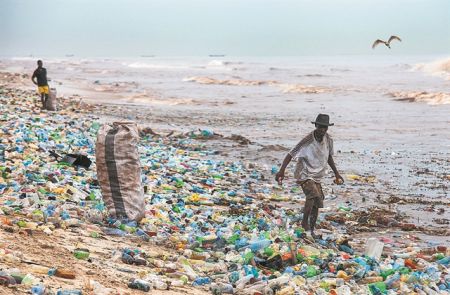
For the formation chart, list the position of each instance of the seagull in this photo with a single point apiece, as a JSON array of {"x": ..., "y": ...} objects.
[{"x": 388, "y": 43}]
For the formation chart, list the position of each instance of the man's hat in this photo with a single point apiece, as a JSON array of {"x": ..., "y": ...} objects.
[{"x": 323, "y": 120}]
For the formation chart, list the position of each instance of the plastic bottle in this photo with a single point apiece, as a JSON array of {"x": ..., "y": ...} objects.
[
  {"x": 139, "y": 285},
  {"x": 240, "y": 284},
  {"x": 159, "y": 284},
  {"x": 29, "y": 279},
  {"x": 188, "y": 269},
  {"x": 82, "y": 254},
  {"x": 38, "y": 290},
  {"x": 39, "y": 269},
  {"x": 221, "y": 288},
  {"x": 312, "y": 272},
  {"x": 114, "y": 232},
  {"x": 378, "y": 288},
  {"x": 69, "y": 292},
  {"x": 370, "y": 280},
  {"x": 444, "y": 261},
  {"x": 200, "y": 281},
  {"x": 284, "y": 279},
  {"x": 391, "y": 280},
  {"x": 234, "y": 277},
  {"x": 259, "y": 244}
]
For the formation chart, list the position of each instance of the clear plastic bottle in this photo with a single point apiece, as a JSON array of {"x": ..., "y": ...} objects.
[{"x": 240, "y": 284}]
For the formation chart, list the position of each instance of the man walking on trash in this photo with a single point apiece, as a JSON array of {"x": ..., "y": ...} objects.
[
  {"x": 313, "y": 152},
  {"x": 41, "y": 75}
]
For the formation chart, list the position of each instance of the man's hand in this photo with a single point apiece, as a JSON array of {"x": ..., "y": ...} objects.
[
  {"x": 339, "y": 180},
  {"x": 279, "y": 177}
]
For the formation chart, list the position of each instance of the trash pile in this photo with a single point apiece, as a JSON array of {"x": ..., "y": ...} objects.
[{"x": 222, "y": 220}]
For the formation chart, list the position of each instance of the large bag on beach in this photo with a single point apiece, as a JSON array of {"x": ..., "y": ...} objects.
[
  {"x": 119, "y": 170},
  {"x": 51, "y": 104}
]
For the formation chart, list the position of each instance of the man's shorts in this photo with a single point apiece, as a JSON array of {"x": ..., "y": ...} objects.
[
  {"x": 43, "y": 89},
  {"x": 313, "y": 191}
]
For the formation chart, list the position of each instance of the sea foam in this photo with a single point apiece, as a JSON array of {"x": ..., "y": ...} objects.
[{"x": 440, "y": 68}]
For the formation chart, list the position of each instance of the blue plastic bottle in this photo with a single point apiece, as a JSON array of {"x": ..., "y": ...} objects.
[
  {"x": 258, "y": 245},
  {"x": 201, "y": 281},
  {"x": 38, "y": 290},
  {"x": 444, "y": 261},
  {"x": 392, "y": 280}
]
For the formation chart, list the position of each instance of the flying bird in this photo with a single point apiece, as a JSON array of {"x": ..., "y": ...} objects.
[{"x": 388, "y": 43}]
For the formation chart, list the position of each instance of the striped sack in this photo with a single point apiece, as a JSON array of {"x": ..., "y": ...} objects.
[{"x": 119, "y": 170}]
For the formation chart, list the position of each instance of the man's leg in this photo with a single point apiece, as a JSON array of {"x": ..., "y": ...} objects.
[
  {"x": 318, "y": 203},
  {"x": 313, "y": 218},
  {"x": 43, "y": 100},
  {"x": 309, "y": 203},
  {"x": 308, "y": 188}
]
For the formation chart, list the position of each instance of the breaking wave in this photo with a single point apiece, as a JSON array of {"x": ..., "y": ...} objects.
[
  {"x": 440, "y": 68},
  {"x": 142, "y": 65},
  {"x": 221, "y": 63},
  {"x": 231, "y": 82},
  {"x": 433, "y": 98}
]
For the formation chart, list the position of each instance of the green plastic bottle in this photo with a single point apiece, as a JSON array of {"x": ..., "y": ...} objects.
[
  {"x": 387, "y": 273},
  {"x": 311, "y": 271},
  {"x": 233, "y": 238},
  {"x": 81, "y": 254},
  {"x": 378, "y": 288},
  {"x": 268, "y": 251},
  {"x": 247, "y": 257}
]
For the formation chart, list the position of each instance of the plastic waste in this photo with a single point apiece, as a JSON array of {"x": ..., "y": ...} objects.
[
  {"x": 374, "y": 248},
  {"x": 221, "y": 288},
  {"x": 69, "y": 292},
  {"x": 38, "y": 290},
  {"x": 201, "y": 281},
  {"x": 139, "y": 285}
]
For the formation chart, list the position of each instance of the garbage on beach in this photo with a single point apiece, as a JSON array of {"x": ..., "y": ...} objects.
[{"x": 216, "y": 217}]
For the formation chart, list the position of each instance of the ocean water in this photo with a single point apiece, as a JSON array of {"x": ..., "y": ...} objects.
[{"x": 417, "y": 78}]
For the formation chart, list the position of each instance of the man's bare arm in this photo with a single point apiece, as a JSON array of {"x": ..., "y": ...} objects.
[
  {"x": 280, "y": 175},
  {"x": 33, "y": 77},
  {"x": 339, "y": 179}
]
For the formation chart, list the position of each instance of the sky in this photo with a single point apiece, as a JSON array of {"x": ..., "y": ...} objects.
[{"x": 123, "y": 28}]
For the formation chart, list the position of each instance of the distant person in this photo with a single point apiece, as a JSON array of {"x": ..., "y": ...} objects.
[
  {"x": 314, "y": 153},
  {"x": 41, "y": 75}
]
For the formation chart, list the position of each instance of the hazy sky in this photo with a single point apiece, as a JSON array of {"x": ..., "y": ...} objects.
[{"x": 231, "y": 27}]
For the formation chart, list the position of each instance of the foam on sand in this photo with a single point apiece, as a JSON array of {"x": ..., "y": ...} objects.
[
  {"x": 434, "y": 98},
  {"x": 300, "y": 88},
  {"x": 231, "y": 82}
]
